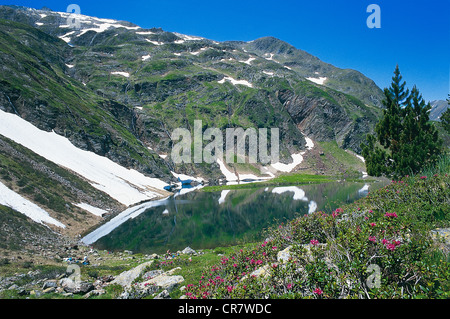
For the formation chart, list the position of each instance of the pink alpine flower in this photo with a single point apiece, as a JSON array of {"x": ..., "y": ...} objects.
[
  {"x": 318, "y": 291},
  {"x": 314, "y": 242},
  {"x": 373, "y": 239}
]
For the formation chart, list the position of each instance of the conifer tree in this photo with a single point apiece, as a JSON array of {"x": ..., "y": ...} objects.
[
  {"x": 445, "y": 117},
  {"x": 405, "y": 138}
]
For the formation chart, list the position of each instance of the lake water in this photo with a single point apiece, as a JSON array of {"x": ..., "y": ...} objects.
[{"x": 210, "y": 219}]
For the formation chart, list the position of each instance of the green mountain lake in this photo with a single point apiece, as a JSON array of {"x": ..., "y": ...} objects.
[{"x": 204, "y": 220}]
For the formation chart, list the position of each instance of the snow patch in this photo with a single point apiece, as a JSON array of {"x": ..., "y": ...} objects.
[
  {"x": 15, "y": 201},
  {"x": 235, "y": 82},
  {"x": 125, "y": 74},
  {"x": 249, "y": 61},
  {"x": 65, "y": 37},
  {"x": 154, "y": 42},
  {"x": 297, "y": 159},
  {"x": 91, "y": 209},
  {"x": 145, "y": 32},
  {"x": 146, "y": 57},
  {"x": 229, "y": 176},
  {"x": 361, "y": 158},
  {"x": 199, "y": 51},
  {"x": 320, "y": 80},
  {"x": 186, "y": 177},
  {"x": 125, "y": 185},
  {"x": 188, "y": 37}
]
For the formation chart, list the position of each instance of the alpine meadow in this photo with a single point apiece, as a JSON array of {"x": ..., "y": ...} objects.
[{"x": 142, "y": 163}]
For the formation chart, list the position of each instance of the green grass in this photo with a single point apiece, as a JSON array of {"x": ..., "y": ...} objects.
[{"x": 287, "y": 179}]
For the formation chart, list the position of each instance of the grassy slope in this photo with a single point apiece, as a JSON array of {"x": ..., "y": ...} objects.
[{"x": 418, "y": 267}]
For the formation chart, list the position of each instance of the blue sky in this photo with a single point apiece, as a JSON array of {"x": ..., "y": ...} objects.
[{"x": 414, "y": 34}]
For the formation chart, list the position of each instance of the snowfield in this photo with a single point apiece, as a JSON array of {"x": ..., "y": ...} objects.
[
  {"x": 320, "y": 80},
  {"x": 125, "y": 74},
  {"x": 125, "y": 185},
  {"x": 91, "y": 209},
  {"x": 297, "y": 159},
  {"x": 235, "y": 82},
  {"x": 13, "y": 200}
]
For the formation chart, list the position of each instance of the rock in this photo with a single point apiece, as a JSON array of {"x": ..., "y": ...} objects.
[
  {"x": 172, "y": 271},
  {"x": 95, "y": 292},
  {"x": 67, "y": 283},
  {"x": 262, "y": 271},
  {"x": 75, "y": 288},
  {"x": 163, "y": 281},
  {"x": 188, "y": 251},
  {"x": 163, "y": 295},
  {"x": 127, "y": 277},
  {"x": 50, "y": 284},
  {"x": 49, "y": 290},
  {"x": 152, "y": 274},
  {"x": 23, "y": 292},
  {"x": 85, "y": 287},
  {"x": 284, "y": 255}
]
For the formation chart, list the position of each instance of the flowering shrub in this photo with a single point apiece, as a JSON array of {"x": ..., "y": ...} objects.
[{"x": 328, "y": 255}]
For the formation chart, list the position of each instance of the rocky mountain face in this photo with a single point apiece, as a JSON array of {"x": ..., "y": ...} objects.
[
  {"x": 438, "y": 107},
  {"x": 119, "y": 91},
  {"x": 139, "y": 82}
]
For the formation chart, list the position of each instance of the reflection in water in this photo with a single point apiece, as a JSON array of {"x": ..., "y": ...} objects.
[
  {"x": 364, "y": 190},
  {"x": 223, "y": 196},
  {"x": 212, "y": 219}
]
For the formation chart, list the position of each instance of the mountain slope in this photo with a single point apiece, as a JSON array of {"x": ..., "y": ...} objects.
[
  {"x": 111, "y": 93},
  {"x": 438, "y": 107},
  {"x": 34, "y": 85}
]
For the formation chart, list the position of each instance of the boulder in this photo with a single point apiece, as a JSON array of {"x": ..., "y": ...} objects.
[
  {"x": 163, "y": 281},
  {"x": 284, "y": 255},
  {"x": 50, "y": 284},
  {"x": 163, "y": 295},
  {"x": 188, "y": 251},
  {"x": 73, "y": 287},
  {"x": 127, "y": 277}
]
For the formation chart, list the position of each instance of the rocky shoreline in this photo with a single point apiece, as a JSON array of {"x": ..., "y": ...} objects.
[{"x": 68, "y": 278}]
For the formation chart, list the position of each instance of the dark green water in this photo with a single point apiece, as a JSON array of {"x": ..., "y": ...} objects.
[{"x": 207, "y": 220}]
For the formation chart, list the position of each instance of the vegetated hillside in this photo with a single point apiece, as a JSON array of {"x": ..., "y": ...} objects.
[
  {"x": 149, "y": 82},
  {"x": 119, "y": 91},
  {"x": 34, "y": 85}
]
